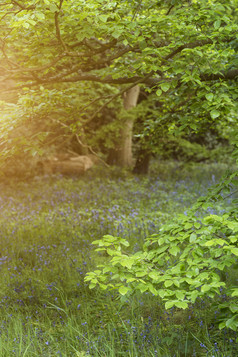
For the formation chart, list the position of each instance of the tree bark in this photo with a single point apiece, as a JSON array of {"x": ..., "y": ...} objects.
[
  {"x": 142, "y": 162},
  {"x": 125, "y": 157}
]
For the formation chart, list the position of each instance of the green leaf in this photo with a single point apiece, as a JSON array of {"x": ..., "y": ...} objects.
[
  {"x": 40, "y": 15},
  {"x": 188, "y": 225},
  {"x": 209, "y": 96},
  {"x": 154, "y": 275},
  {"x": 153, "y": 290},
  {"x": 174, "y": 250},
  {"x": 169, "y": 304},
  {"x": 53, "y": 7},
  {"x": 222, "y": 325},
  {"x": 140, "y": 274},
  {"x": 165, "y": 86},
  {"x": 194, "y": 295},
  {"x": 103, "y": 18},
  {"x": 205, "y": 288},
  {"x": 159, "y": 92},
  {"x": 232, "y": 323},
  {"x": 233, "y": 239},
  {"x": 234, "y": 251},
  {"x": 162, "y": 293},
  {"x": 193, "y": 238},
  {"x": 123, "y": 290},
  {"x": 180, "y": 295},
  {"x": 142, "y": 287},
  {"x": 235, "y": 292},
  {"x": 107, "y": 269},
  {"x": 215, "y": 113},
  {"x": 127, "y": 262},
  {"x": 217, "y": 24},
  {"x": 233, "y": 307},
  {"x": 26, "y": 25},
  {"x": 168, "y": 283},
  {"x": 181, "y": 304},
  {"x": 116, "y": 34}
]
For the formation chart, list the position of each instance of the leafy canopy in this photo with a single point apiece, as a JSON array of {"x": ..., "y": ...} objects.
[{"x": 184, "y": 51}]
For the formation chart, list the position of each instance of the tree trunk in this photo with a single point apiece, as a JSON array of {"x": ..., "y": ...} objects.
[
  {"x": 142, "y": 162},
  {"x": 125, "y": 158}
]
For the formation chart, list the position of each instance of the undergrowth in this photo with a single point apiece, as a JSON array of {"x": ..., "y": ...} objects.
[{"x": 47, "y": 226}]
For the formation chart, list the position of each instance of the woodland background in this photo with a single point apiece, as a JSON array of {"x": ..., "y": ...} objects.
[{"x": 146, "y": 93}]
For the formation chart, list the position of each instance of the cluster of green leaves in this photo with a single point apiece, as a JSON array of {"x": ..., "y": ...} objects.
[{"x": 184, "y": 261}]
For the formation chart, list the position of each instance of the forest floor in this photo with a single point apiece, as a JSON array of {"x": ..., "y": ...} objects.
[{"x": 47, "y": 228}]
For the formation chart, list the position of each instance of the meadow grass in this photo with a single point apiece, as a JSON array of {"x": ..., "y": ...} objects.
[{"x": 47, "y": 226}]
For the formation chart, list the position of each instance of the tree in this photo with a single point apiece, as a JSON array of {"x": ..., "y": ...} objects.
[{"x": 185, "y": 51}]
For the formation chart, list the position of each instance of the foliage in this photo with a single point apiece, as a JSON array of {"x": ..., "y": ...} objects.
[
  {"x": 185, "y": 260},
  {"x": 47, "y": 226},
  {"x": 183, "y": 53}
]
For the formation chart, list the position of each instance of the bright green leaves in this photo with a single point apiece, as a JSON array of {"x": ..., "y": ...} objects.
[
  {"x": 174, "y": 250},
  {"x": 176, "y": 303},
  {"x": 193, "y": 238},
  {"x": 231, "y": 323},
  {"x": 217, "y": 24},
  {"x": 116, "y": 34},
  {"x": 165, "y": 86},
  {"x": 123, "y": 290},
  {"x": 215, "y": 114},
  {"x": 181, "y": 263},
  {"x": 53, "y": 7},
  {"x": 159, "y": 92},
  {"x": 209, "y": 96}
]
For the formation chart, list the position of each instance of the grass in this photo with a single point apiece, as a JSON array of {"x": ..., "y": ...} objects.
[{"x": 47, "y": 226}]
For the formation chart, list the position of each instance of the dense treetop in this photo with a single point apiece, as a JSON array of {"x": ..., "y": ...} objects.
[
  {"x": 167, "y": 42},
  {"x": 185, "y": 51}
]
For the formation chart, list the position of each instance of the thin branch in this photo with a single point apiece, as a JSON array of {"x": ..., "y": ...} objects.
[
  {"x": 95, "y": 100},
  {"x": 230, "y": 194},
  {"x": 225, "y": 75},
  {"x": 18, "y": 4},
  {"x": 22, "y": 7},
  {"x": 168, "y": 12},
  {"x": 136, "y": 11},
  {"x": 198, "y": 43},
  {"x": 187, "y": 45},
  {"x": 6, "y": 56},
  {"x": 92, "y": 151},
  {"x": 38, "y": 69},
  {"x": 57, "y": 28},
  {"x": 80, "y": 142},
  {"x": 119, "y": 94}
]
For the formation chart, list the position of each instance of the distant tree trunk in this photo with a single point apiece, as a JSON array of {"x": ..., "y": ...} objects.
[
  {"x": 142, "y": 162},
  {"x": 125, "y": 158}
]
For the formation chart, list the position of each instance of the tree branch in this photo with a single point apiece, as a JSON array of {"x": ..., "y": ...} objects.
[
  {"x": 194, "y": 44},
  {"x": 119, "y": 94},
  {"x": 36, "y": 69},
  {"x": 187, "y": 45},
  {"x": 80, "y": 142},
  {"x": 225, "y": 75},
  {"x": 92, "y": 151},
  {"x": 57, "y": 28},
  {"x": 22, "y": 7}
]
